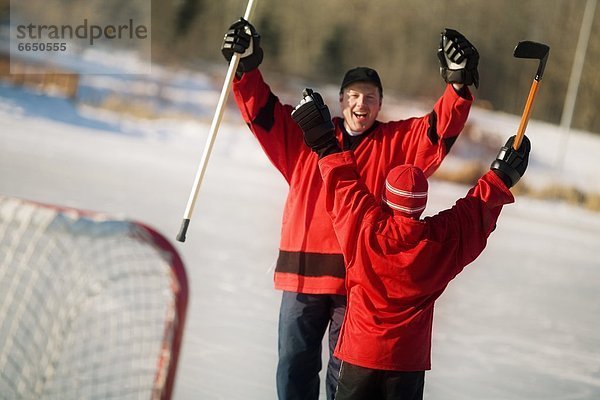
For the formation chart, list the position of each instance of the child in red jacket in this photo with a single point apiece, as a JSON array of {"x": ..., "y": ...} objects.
[{"x": 397, "y": 265}]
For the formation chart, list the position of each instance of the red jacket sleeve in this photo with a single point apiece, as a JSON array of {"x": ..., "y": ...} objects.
[
  {"x": 348, "y": 201},
  {"x": 428, "y": 139},
  {"x": 451, "y": 112},
  {"x": 472, "y": 219},
  {"x": 270, "y": 121}
]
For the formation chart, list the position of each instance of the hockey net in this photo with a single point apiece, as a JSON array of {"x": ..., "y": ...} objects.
[{"x": 90, "y": 307}]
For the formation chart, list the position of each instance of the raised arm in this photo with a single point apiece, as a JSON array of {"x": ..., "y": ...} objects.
[
  {"x": 473, "y": 218},
  {"x": 268, "y": 119},
  {"x": 459, "y": 60},
  {"x": 426, "y": 140}
]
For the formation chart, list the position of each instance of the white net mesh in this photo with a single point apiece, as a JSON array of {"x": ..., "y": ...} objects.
[{"x": 89, "y": 308}]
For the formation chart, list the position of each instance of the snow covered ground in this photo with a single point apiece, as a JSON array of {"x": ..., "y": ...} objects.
[{"x": 520, "y": 323}]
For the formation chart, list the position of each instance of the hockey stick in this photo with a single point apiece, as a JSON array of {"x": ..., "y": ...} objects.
[
  {"x": 233, "y": 64},
  {"x": 532, "y": 50}
]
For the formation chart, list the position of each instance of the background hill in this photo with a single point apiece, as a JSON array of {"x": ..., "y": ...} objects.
[{"x": 322, "y": 39}]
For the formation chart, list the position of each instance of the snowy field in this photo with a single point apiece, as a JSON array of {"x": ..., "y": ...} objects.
[{"x": 521, "y": 322}]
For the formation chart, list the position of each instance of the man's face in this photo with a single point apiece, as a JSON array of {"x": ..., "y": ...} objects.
[{"x": 360, "y": 103}]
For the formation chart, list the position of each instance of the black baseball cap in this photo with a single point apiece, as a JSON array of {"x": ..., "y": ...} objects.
[{"x": 362, "y": 74}]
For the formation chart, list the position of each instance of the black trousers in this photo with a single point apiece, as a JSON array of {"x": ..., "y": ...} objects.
[{"x": 358, "y": 383}]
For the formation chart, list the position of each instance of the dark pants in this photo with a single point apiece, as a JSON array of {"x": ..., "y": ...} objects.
[
  {"x": 303, "y": 320},
  {"x": 358, "y": 383}
]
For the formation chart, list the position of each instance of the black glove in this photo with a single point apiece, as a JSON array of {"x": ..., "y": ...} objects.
[
  {"x": 458, "y": 59},
  {"x": 242, "y": 38},
  {"x": 313, "y": 117},
  {"x": 510, "y": 164}
]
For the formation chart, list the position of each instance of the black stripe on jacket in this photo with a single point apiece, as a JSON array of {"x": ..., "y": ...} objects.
[
  {"x": 311, "y": 264},
  {"x": 433, "y": 136},
  {"x": 266, "y": 116}
]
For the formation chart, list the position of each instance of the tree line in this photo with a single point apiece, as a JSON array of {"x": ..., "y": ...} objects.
[{"x": 319, "y": 40}]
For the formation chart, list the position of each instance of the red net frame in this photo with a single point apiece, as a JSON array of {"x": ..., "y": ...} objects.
[{"x": 24, "y": 223}]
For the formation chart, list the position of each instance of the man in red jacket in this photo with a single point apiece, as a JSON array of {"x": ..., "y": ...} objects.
[
  {"x": 310, "y": 268},
  {"x": 397, "y": 264}
]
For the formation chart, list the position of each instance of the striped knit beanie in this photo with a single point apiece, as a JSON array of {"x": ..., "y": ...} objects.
[{"x": 406, "y": 190}]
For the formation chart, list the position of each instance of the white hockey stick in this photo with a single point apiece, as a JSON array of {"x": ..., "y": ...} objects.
[{"x": 233, "y": 64}]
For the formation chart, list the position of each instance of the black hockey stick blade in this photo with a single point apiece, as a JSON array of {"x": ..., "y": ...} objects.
[{"x": 533, "y": 50}]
